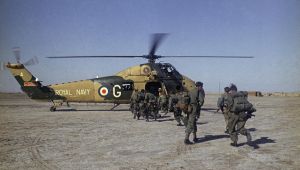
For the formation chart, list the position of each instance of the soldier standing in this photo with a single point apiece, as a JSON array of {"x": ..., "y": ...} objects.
[
  {"x": 151, "y": 106},
  {"x": 237, "y": 120},
  {"x": 134, "y": 103},
  {"x": 221, "y": 107},
  {"x": 196, "y": 101}
]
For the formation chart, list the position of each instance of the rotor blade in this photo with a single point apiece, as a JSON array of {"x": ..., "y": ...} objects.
[
  {"x": 208, "y": 56},
  {"x": 32, "y": 61},
  {"x": 17, "y": 54},
  {"x": 156, "y": 41},
  {"x": 115, "y": 56}
]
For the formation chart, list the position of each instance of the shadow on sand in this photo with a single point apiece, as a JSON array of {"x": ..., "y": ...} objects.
[
  {"x": 90, "y": 110},
  {"x": 255, "y": 144},
  {"x": 210, "y": 138},
  {"x": 165, "y": 118},
  {"x": 201, "y": 123},
  {"x": 252, "y": 129}
]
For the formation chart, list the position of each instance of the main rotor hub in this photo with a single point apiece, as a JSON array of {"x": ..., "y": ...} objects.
[{"x": 151, "y": 58}]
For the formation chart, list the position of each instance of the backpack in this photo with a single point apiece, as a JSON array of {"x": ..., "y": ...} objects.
[
  {"x": 184, "y": 101},
  {"x": 241, "y": 103},
  {"x": 152, "y": 98},
  {"x": 173, "y": 99},
  {"x": 140, "y": 97}
]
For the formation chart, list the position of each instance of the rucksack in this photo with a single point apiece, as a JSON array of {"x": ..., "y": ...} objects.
[
  {"x": 140, "y": 97},
  {"x": 241, "y": 103},
  {"x": 152, "y": 98},
  {"x": 183, "y": 101}
]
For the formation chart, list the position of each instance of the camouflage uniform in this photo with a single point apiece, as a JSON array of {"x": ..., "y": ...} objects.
[
  {"x": 151, "y": 106},
  {"x": 163, "y": 102},
  {"x": 225, "y": 110},
  {"x": 134, "y": 103},
  {"x": 196, "y": 101},
  {"x": 236, "y": 121},
  {"x": 173, "y": 100},
  {"x": 141, "y": 104}
]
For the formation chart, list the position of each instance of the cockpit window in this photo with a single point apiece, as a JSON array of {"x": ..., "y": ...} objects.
[{"x": 170, "y": 69}]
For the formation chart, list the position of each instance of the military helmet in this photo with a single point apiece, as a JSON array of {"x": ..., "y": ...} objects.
[
  {"x": 233, "y": 87},
  {"x": 226, "y": 89},
  {"x": 199, "y": 83}
]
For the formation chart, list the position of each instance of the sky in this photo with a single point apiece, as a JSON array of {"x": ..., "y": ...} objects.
[{"x": 268, "y": 30}]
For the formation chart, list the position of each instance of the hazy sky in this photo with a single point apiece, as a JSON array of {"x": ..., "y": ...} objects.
[{"x": 269, "y": 30}]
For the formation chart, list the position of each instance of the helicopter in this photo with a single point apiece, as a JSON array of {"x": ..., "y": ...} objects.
[{"x": 116, "y": 89}]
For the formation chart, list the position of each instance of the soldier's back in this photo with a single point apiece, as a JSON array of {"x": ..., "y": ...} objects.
[{"x": 193, "y": 94}]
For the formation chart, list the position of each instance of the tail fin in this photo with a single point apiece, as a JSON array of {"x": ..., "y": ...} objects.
[{"x": 29, "y": 83}]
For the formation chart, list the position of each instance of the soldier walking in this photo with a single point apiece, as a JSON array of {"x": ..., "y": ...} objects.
[
  {"x": 196, "y": 101},
  {"x": 162, "y": 101},
  {"x": 237, "y": 119},
  {"x": 221, "y": 107},
  {"x": 174, "y": 107},
  {"x": 151, "y": 106}
]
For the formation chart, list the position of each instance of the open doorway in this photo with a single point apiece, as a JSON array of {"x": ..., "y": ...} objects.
[{"x": 153, "y": 87}]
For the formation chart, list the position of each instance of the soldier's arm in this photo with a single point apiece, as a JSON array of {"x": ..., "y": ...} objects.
[
  {"x": 201, "y": 99},
  {"x": 228, "y": 101}
]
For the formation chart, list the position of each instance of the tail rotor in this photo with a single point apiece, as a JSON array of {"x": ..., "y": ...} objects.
[{"x": 17, "y": 55}]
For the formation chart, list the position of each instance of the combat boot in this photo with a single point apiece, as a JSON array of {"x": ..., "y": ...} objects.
[
  {"x": 187, "y": 140},
  {"x": 234, "y": 144},
  {"x": 195, "y": 137}
]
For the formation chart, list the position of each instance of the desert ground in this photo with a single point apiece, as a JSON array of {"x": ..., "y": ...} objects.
[{"x": 89, "y": 136}]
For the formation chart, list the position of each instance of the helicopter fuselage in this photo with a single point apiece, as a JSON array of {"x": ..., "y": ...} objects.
[{"x": 111, "y": 89}]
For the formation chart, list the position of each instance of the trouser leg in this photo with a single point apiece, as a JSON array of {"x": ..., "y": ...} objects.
[
  {"x": 232, "y": 122},
  {"x": 191, "y": 124},
  {"x": 187, "y": 139},
  {"x": 226, "y": 117},
  {"x": 177, "y": 116},
  {"x": 242, "y": 130}
]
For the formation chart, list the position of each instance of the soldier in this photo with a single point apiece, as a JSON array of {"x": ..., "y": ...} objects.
[
  {"x": 173, "y": 106},
  {"x": 134, "y": 103},
  {"x": 141, "y": 104},
  {"x": 237, "y": 120},
  {"x": 163, "y": 101},
  {"x": 151, "y": 106},
  {"x": 196, "y": 101},
  {"x": 221, "y": 107}
]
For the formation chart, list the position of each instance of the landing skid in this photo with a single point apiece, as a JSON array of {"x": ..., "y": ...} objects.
[
  {"x": 52, "y": 109},
  {"x": 115, "y": 105},
  {"x": 57, "y": 104}
]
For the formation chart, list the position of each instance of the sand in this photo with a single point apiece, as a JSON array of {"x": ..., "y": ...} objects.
[{"x": 89, "y": 136}]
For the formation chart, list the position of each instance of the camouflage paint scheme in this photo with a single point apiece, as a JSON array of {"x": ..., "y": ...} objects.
[{"x": 111, "y": 89}]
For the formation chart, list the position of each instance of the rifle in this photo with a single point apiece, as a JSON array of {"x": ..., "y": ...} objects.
[{"x": 249, "y": 113}]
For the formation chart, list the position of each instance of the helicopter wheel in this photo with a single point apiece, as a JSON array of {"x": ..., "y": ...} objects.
[{"x": 52, "y": 109}]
